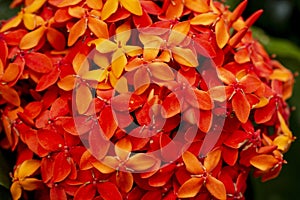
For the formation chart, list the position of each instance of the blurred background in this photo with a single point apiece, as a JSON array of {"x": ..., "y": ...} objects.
[{"x": 278, "y": 30}]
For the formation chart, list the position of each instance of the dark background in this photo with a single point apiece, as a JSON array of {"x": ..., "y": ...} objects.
[{"x": 278, "y": 30}]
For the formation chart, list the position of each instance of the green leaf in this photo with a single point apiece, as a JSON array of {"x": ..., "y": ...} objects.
[
  {"x": 4, "y": 172},
  {"x": 5, "y": 11},
  {"x": 282, "y": 48}
]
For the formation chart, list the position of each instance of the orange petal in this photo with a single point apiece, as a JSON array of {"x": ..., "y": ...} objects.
[
  {"x": 263, "y": 162},
  {"x": 93, "y": 75},
  {"x": 123, "y": 149},
  {"x": 175, "y": 9},
  {"x": 284, "y": 127},
  {"x": 222, "y": 33},
  {"x": 161, "y": 71},
  {"x": 94, "y": 4},
  {"x": 216, "y": 187},
  {"x": 27, "y": 168},
  {"x": 104, "y": 45},
  {"x": 124, "y": 181},
  {"x": 80, "y": 64},
  {"x": 242, "y": 56},
  {"x": 226, "y": 76},
  {"x": 190, "y": 188},
  {"x": 67, "y": 83},
  {"x": 119, "y": 61},
  {"x": 83, "y": 98},
  {"x": 65, "y": 3},
  {"x": 179, "y": 33},
  {"x": 204, "y": 19},
  {"x": 250, "y": 83},
  {"x": 32, "y": 38},
  {"x": 109, "y": 8},
  {"x": 241, "y": 106},
  {"x": 212, "y": 159},
  {"x": 283, "y": 142},
  {"x": 98, "y": 27},
  {"x": 281, "y": 75},
  {"x": 185, "y": 56},
  {"x": 171, "y": 106},
  {"x": 31, "y": 184},
  {"x": 132, "y": 6},
  {"x": 141, "y": 162},
  {"x": 10, "y": 95},
  {"x": 192, "y": 164},
  {"x": 204, "y": 100},
  {"x": 123, "y": 33},
  {"x": 56, "y": 39},
  {"x": 238, "y": 11},
  {"x": 77, "y": 11},
  {"x": 218, "y": 93},
  {"x": 16, "y": 190},
  {"x": 14, "y": 22},
  {"x": 77, "y": 30},
  {"x": 107, "y": 165},
  {"x": 151, "y": 46},
  {"x": 198, "y": 6},
  {"x": 34, "y": 6},
  {"x": 32, "y": 21},
  {"x": 141, "y": 80},
  {"x": 11, "y": 72}
]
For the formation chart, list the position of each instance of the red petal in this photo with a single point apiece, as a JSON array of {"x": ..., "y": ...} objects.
[
  {"x": 230, "y": 155},
  {"x": 142, "y": 21},
  {"x": 241, "y": 106},
  {"x": 56, "y": 39},
  {"x": 58, "y": 193},
  {"x": 236, "y": 139},
  {"x": 171, "y": 106},
  {"x": 59, "y": 107},
  {"x": 62, "y": 167},
  {"x": 48, "y": 79},
  {"x": 50, "y": 139},
  {"x": 107, "y": 122},
  {"x": 33, "y": 109},
  {"x": 109, "y": 191},
  {"x": 85, "y": 192},
  {"x": 38, "y": 62}
]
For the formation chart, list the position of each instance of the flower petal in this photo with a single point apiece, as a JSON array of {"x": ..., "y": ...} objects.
[
  {"x": 98, "y": 27},
  {"x": 141, "y": 162},
  {"x": 263, "y": 162},
  {"x": 185, "y": 56},
  {"x": 32, "y": 38},
  {"x": 190, "y": 188},
  {"x": 192, "y": 164},
  {"x": 27, "y": 168},
  {"x": 77, "y": 30},
  {"x": 132, "y": 6},
  {"x": 84, "y": 98},
  {"x": 109, "y": 8},
  {"x": 38, "y": 62},
  {"x": 212, "y": 159},
  {"x": 204, "y": 19},
  {"x": 124, "y": 181},
  {"x": 241, "y": 106},
  {"x": 215, "y": 187},
  {"x": 222, "y": 33}
]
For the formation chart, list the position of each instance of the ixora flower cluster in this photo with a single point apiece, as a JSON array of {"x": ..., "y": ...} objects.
[{"x": 139, "y": 99}]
